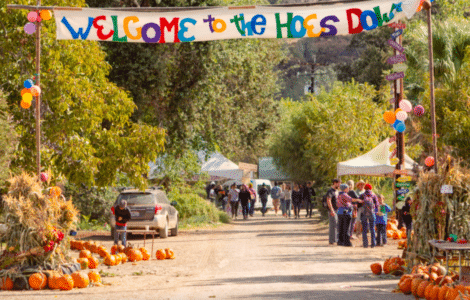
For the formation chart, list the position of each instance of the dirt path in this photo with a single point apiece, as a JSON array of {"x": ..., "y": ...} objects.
[{"x": 262, "y": 258}]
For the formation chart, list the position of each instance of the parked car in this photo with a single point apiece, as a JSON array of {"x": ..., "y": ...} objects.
[{"x": 148, "y": 208}]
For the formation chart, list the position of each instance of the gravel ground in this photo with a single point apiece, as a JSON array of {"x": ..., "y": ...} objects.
[{"x": 261, "y": 258}]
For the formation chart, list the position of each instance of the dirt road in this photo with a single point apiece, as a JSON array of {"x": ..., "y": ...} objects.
[{"x": 262, "y": 258}]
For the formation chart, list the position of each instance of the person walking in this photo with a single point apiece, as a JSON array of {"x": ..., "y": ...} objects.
[
  {"x": 209, "y": 187},
  {"x": 352, "y": 194},
  {"x": 359, "y": 191},
  {"x": 370, "y": 205},
  {"x": 345, "y": 207},
  {"x": 297, "y": 196},
  {"x": 233, "y": 200},
  {"x": 244, "y": 197},
  {"x": 308, "y": 195},
  {"x": 331, "y": 195},
  {"x": 122, "y": 215},
  {"x": 263, "y": 196},
  {"x": 288, "y": 200},
  {"x": 276, "y": 195},
  {"x": 252, "y": 199},
  {"x": 407, "y": 219},
  {"x": 381, "y": 221},
  {"x": 283, "y": 199}
]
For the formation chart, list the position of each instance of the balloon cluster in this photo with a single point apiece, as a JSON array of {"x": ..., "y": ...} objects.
[
  {"x": 397, "y": 118},
  {"x": 28, "y": 92},
  {"x": 36, "y": 16}
]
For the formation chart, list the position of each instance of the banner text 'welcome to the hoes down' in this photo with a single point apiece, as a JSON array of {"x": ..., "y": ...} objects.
[{"x": 147, "y": 28}]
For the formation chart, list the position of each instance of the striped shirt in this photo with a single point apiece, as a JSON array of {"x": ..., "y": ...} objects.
[{"x": 343, "y": 200}]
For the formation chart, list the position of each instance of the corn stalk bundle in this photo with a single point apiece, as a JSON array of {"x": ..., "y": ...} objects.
[
  {"x": 38, "y": 226},
  {"x": 436, "y": 215}
]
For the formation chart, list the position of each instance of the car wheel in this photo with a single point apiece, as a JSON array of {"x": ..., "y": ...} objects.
[
  {"x": 164, "y": 231},
  {"x": 174, "y": 231}
]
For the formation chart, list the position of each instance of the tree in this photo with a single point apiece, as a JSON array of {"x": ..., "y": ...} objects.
[
  {"x": 8, "y": 140},
  {"x": 87, "y": 134},
  {"x": 315, "y": 135}
]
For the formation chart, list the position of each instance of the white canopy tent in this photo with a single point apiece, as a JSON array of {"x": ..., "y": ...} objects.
[
  {"x": 219, "y": 166},
  {"x": 376, "y": 162}
]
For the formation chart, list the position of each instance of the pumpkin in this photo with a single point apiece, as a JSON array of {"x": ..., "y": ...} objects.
[
  {"x": 128, "y": 249},
  {"x": 422, "y": 288},
  {"x": 53, "y": 280},
  {"x": 93, "y": 262},
  {"x": 414, "y": 285},
  {"x": 121, "y": 248},
  {"x": 169, "y": 253},
  {"x": 87, "y": 245},
  {"x": 123, "y": 257},
  {"x": 402, "y": 234},
  {"x": 83, "y": 263},
  {"x": 118, "y": 258},
  {"x": 435, "y": 292},
  {"x": 396, "y": 235},
  {"x": 110, "y": 260},
  {"x": 428, "y": 290},
  {"x": 94, "y": 247},
  {"x": 403, "y": 229},
  {"x": 405, "y": 285},
  {"x": 73, "y": 245},
  {"x": 143, "y": 249},
  {"x": 160, "y": 254},
  {"x": 443, "y": 292},
  {"x": 114, "y": 249},
  {"x": 80, "y": 280},
  {"x": 134, "y": 255},
  {"x": 37, "y": 281},
  {"x": 94, "y": 277},
  {"x": 6, "y": 283},
  {"x": 441, "y": 270},
  {"x": 65, "y": 282},
  {"x": 386, "y": 267},
  {"x": 102, "y": 252},
  {"x": 85, "y": 254},
  {"x": 393, "y": 227},
  {"x": 433, "y": 277},
  {"x": 80, "y": 245},
  {"x": 390, "y": 233}
]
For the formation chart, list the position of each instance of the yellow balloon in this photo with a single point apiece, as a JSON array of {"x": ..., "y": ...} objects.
[{"x": 27, "y": 97}]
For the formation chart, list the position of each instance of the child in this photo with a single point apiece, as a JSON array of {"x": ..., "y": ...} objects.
[
  {"x": 381, "y": 221},
  {"x": 407, "y": 216}
]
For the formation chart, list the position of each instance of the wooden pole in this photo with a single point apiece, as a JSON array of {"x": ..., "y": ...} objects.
[
  {"x": 38, "y": 97},
  {"x": 427, "y": 7}
]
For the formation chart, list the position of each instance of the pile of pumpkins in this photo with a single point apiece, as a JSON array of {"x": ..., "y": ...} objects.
[
  {"x": 393, "y": 231},
  {"x": 119, "y": 254},
  {"x": 392, "y": 265},
  {"x": 55, "y": 280},
  {"x": 433, "y": 282}
]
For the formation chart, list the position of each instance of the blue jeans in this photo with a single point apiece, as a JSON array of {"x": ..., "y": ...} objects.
[
  {"x": 263, "y": 203},
  {"x": 288, "y": 207},
  {"x": 283, "y": 206},
  {"x": 123, "y": 235},
  {"x": 381, "y": 234},
  {"x": 368, "y": 222},
  {"x": 252, "y": 207}
]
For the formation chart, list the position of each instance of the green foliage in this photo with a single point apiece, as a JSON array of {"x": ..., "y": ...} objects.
[
  {"x": 87, "y": 134},
  {"x": 8, "y": 141},
  {"x": 93, "y": 203},
  {"x": 330, "y": 128}
]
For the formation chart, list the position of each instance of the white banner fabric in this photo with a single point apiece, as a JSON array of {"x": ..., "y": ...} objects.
[{"x": 229, "y": 22}]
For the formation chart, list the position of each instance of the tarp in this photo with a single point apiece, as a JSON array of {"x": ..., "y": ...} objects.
[
  {"x": 186, "y": 24},
  {"x": 219, "y": 166},
  {"x": 376, "y": 162},
  {"x": 268, "y": 170}
]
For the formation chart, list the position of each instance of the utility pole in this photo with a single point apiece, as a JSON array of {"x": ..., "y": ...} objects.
[
  {"x": 38, "y": 97},
  {"x": 312, "y": 74}
]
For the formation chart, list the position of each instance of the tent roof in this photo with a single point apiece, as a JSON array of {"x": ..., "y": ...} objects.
[
  {"x": 268, "y": 170},
  {"x": 219, "y": 166},
  {"x": 376, "y": 162}
]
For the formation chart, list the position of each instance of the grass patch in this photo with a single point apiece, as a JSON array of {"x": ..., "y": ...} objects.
[{"x": 106, "y": 274}]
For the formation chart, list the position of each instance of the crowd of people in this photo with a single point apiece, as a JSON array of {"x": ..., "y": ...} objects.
[{"x": 346, "y": 205}]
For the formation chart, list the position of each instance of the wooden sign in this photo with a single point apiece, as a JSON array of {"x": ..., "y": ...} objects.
[
  {"x": 395, "y": 45},
  {"x": 395, "y": 76},
  {"x": 400, "y": 172},
  {"x": 399, "y": 67},
  {"x": 403, "y": 184},
  {"x": 397, "y": 25},
  {"x": 447, "y": 189},
  {"x": 402, "y": 191},
  {"x": 397, "y": 33},
  {"x": 401, "y": 197},
  {"x": 392, "y": 147},
  {"x": 248, "y": 167},
  {"x": 404, "y": 179},
  {"x": 400, "y": 58}
]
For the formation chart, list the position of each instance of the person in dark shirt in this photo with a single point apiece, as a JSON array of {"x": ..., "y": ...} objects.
[
  {"x": 244, "y": 197},
  {"x": 308, "y": 194},
  {"x": 332, "y": 207},
  {"x": 353, "y": 195},
  {"x": 407, "y": 216},
  {"x": 122, "y": 215},
  {"x": 296, "y": 200},
  {"x": 263, "y": 195}
]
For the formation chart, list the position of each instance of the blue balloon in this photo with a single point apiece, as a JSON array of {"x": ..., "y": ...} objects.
[
  {"x": 396, "y": 123},
  {"x": 28, "y": 83},
  {"x": 400, "y": 127}
]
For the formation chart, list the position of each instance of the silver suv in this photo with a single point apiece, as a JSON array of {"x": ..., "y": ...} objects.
[{"x": 148, "y": 208}]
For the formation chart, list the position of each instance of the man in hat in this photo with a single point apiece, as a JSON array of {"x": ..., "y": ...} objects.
[
  {"x": 263, "y": 196},
  {"x": 122, "y": 215}
]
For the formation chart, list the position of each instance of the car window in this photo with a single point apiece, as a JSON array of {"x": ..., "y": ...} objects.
[
  {"x": 137, "y": 198},
  {"x": 162, "y": 198}
]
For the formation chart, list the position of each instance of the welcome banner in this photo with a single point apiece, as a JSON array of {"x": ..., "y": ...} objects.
[{"x": 223, "y": 23}]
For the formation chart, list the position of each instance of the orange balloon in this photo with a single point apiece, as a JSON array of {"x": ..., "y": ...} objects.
[
  {"x": 389, "y": 117},
  {"x": 45, "y": 15},
  {"x": 398, "y": 109},
  {"x": 25, "y": 105},
  {"x": 23, "y": 91}
]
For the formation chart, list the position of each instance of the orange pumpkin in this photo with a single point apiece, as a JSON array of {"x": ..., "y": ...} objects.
[
  {"x": 376, "y": 268},
  {"x": 145, "y": 256},
  {"x": 415, "y": 283},
  {"x": 135, "y": 255},
  {"x": 93, "y": 262},
  {"x": 114, "y": 249},
  {"x": 65, "y": 282},
  {"x": 390, "y": 233},
  {"x": 83, "y": 263},
  {"x": 121, "y": 249},
  {"x": 94, "y": 277},
  {"x": 127, "y": 250},
  {"x": 123, "y": 257},
  {"x": 160, "y": 254},
  {"x": 85, "y": 254},
  {"x": 53, "y": 280},
  {"x": 422, "y": 288},
  {"x": 443, "y": 292},
  {"x": 427, "y": 291},
  {"x": 118, "y": 259},
  {"x": 102, "y": 252},
  {"x": 396, "y": 235},
  {"x": 80, "y": 280},
  {"x": 80, "y": 245},
  {"x": 405, "y": 285},
  {"x": 94, "y": 247},
  {"x": 86, "y": 245},
  {"x": 6, "y": 283},
  {"x": 37, "y": 281},
  {"x": 169, "y": 253},
  {"x": 110, "y": 260}
]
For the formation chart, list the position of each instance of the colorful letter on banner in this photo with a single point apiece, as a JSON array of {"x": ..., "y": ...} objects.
[{"x": 221, "y": 23}]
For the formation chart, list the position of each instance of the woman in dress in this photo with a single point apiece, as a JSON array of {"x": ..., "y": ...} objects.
[{"x": 297, "y": 200}]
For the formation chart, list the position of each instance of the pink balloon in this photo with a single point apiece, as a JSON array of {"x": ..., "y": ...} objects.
[
  {"x": 401, "y": 115},
  {"x": 406, "y": 105},
  {"x": 30, "y": 28},
  {"x": 32, "y": 16}
]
